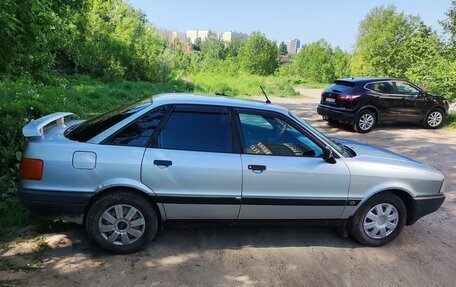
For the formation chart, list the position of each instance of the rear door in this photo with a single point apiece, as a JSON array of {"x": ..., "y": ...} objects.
[
  {"x": 192, "y": 165},
  {"x": 385, "y": 100},
  {"x": 284, "y": 175}
]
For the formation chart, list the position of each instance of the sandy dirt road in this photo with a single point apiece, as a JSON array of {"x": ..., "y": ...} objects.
[{"x": 423, "y": 255}]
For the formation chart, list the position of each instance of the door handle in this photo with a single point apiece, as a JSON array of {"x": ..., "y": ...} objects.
[
  {"x": 255, "y": 167},
  {"x": 163, "y": 162}
]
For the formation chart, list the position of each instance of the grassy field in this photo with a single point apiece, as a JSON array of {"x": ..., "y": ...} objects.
[{"x": 248, "y": 85}]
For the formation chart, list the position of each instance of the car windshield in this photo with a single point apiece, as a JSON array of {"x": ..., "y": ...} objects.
[
  {"x": 340, "y": 148},
  {"x": 90, "y": 128}
]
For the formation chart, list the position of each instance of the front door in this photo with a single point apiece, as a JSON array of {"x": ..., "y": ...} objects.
[
  {"x": 284, "y": 175},
  {"x": 192, "y": 167},
  {"x": 411, "y": 104}
]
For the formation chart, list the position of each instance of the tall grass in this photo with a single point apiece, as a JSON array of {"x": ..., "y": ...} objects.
[{"x": 247, "y": 85}]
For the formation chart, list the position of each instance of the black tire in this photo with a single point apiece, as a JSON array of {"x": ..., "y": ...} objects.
[
  {"x": 356, "y": 223},
  {"x": 127, "y": 199},
  {"x": 330, "y": 120},
  {"x": 361, "y": 117},
  {"x": 427, "y": 122}
]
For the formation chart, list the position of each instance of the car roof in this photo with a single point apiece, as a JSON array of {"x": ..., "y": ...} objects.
[
  {"x": 367, "y": 79},
  {"x": 186, "y": 98}
]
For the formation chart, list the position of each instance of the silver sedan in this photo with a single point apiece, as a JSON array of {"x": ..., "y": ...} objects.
[{"x": 189, "y": 157}]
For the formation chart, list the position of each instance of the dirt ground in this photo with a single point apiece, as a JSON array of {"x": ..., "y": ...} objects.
[{"x": 423, "y": 255}]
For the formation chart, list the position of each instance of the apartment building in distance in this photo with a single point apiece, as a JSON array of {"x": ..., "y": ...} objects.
[
  {"x": 293, "y": 46},
  {"x": 192, "y": 35}
]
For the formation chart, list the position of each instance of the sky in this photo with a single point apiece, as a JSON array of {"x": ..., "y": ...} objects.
[{"x": 335, "y": 21}]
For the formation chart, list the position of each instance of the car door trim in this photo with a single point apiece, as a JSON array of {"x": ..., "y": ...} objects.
[{"x": 172, "y": 199}]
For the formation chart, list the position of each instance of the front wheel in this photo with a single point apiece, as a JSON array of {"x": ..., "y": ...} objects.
[
  {"x": 121, "y": 222},
  {"x": 365, "y": 121},
  {"x": 434, "y": 119},
  {"x": 379, "y": 220}
]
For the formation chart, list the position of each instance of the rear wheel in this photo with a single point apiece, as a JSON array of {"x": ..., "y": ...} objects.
[
  {"x": 434, "y": 119},
  {"x": 379, "y": 220},
  {"x": 121, "y": 222},
  {"x": 365, "y": 121}
]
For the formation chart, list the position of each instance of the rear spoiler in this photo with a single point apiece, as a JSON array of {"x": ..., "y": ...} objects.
[{"x": 36, "y": 128}]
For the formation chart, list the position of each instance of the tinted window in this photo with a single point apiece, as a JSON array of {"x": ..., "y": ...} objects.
[
  {"x": 272, "y": 136},
  {"x": 403, "y": 88},
  {"x": 197, "y": 130},
  {"x": 381, "y": 87},
  {"x": 344, "y": 87},
  {"x": 90, "y": 128},
  {"x": 139, "y": 132}
]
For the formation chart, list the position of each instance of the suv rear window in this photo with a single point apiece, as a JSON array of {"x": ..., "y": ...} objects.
[
  {"x": 90, "y": 128},
  {"x": 344, "y": 87}
]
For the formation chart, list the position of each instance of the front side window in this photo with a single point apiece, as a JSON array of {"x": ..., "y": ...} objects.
[
  {"x": 197, "y": 129},
  {"x": 139, "y": 132},
  {"x": 381, "y": 87},
  {"x": 403, "y": 88},
  {"x": 267, "y": 135}
]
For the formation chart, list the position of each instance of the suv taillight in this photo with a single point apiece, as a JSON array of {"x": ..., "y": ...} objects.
[
  {"x": 347, "y": 98},
  {"x": 31, "y": 169}
]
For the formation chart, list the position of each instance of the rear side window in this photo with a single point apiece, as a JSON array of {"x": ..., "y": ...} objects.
[
  {"x": 381, "y": 87},
  {"x": 342, "y": 87},
  {"x": 90, "y": 128},
  {"x": 197, "y": 129},
  {"x": 139, "y": 132}
]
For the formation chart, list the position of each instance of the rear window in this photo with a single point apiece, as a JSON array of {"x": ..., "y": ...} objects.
[
  {"x": 341, "y": 87},
  {"x": 90, "y": 128}
]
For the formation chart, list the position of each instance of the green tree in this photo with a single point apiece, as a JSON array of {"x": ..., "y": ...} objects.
[
  {"x": 314, "y": 62},
  {"x": 237, "y": 41},
  {"x": 283, "y": 48},
  {"x": 197, "y": 44},
  {"x": 449, "y": 26},
  {"x": 258, "y": 55},
  {"x": 31, "y": 33},
  {"x": 386, "y": 43},
  {"x": 213, "y": 48},
  {"x": 340, "y": 62},
  {"x": 392, "y": 44}
]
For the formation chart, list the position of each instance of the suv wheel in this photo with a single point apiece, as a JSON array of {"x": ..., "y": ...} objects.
[
  {"x": 121, "y": 222},
  {"x": 379, "y": 220},
  {"x": 365, "y": 121},
  {"x": 434, "y": 119}
]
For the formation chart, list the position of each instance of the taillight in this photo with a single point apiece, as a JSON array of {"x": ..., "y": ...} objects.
[
  {"x": 31, "y": 169},
  {"x": 347, "y": 98}
]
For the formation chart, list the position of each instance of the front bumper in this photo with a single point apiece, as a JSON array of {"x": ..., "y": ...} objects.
[
  {"x": 63, "y": 205},
  {"x": 425, "y": 205},
  {"x": 336, "y": 114}
]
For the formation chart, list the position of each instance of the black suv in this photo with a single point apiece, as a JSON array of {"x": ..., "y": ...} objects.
[{"x": 363, "y": 102}]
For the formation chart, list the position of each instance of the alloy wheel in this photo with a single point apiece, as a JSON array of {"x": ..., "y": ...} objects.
[
  {"x": 434, "y": 119},
  {"x": 366, "y": 122}
]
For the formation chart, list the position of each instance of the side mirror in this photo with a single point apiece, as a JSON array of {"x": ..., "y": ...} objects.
[{"x": 328, "y": 155}]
